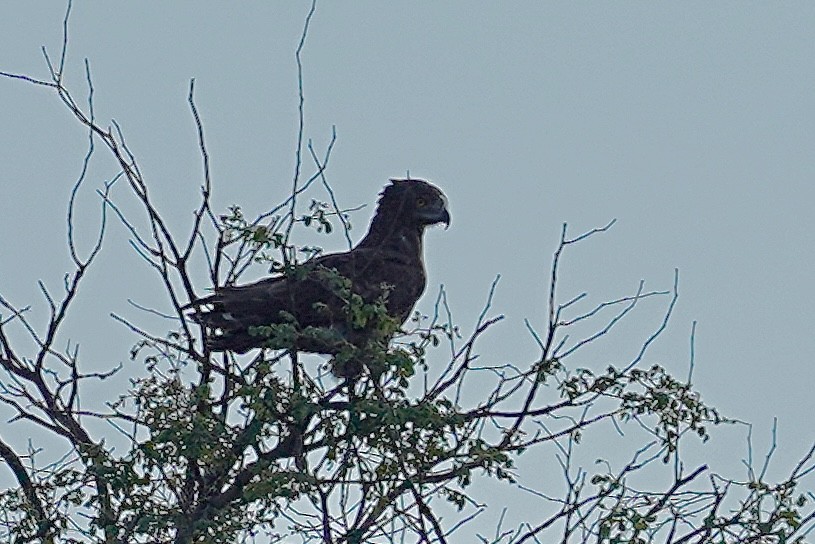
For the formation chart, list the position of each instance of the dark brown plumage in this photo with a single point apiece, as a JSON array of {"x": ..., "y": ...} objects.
[{"x": 386, "y": 265}]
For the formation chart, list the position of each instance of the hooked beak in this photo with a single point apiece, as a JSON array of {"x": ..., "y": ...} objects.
[
  {"x": 435, "y": 215},
  {"x": 445, "y": 218}
]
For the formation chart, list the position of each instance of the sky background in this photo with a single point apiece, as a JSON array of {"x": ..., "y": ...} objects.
[{"x": 691, "y": 124}]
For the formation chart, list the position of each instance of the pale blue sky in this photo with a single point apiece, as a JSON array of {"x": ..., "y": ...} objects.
[{"x": 690, "y": 123}]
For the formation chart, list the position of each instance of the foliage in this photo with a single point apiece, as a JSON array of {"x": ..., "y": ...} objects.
[{"x": 224, "y": 448}]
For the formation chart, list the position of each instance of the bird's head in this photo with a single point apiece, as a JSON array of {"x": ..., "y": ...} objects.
[{"x": 416, "y": 201}]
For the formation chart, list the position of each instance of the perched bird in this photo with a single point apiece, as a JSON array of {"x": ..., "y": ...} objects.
[{"x": 318, "y": 306}]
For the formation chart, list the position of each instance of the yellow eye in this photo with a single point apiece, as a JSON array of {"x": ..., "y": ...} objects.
[{"x": 420, "y": 202}]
